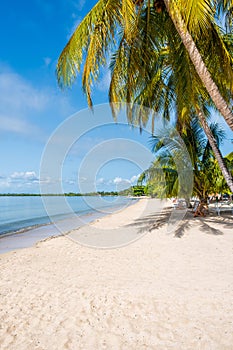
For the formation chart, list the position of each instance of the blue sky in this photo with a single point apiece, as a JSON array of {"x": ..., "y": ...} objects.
[{"x": 32, "y": 106}]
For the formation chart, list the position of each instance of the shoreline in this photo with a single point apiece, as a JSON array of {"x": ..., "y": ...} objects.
[
  {"x": 28, "y": 236},
  {"x": 159, "y": 292},
  {"x": 117, "y": 229},
  {"x": 44, "y": 220}
]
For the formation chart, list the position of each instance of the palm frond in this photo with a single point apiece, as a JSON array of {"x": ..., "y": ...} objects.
[
  {"x": 129, "y": 19},
  {"x": 94, "y": 35},
  {"x": 197, "y": 15}
]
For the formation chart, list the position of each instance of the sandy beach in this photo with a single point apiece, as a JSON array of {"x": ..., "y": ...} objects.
[{"x": 157, "y": 291}]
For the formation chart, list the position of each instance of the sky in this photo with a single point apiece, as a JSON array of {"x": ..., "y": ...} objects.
[{"x": 35, "y": 113}]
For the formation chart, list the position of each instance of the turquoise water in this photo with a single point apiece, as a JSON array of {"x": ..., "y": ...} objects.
[{"x": 19, "y": 214}]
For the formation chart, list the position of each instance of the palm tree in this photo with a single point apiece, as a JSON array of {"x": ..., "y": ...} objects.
[
  {"x": 169, "y": 81},
  {"x": 194, "y": 54},
  {"x": 117, "y": 21},
  {"x": 98, "y": 30},
  {"x": 162, "y": 176},
  {"x": 217, "y": 153}
]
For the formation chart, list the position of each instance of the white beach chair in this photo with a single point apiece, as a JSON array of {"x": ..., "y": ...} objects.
[{"x": 223, "y": 207}]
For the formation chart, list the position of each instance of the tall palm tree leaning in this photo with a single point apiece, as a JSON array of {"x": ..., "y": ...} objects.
[
  {"x": 168, "y": 82},
  {"x": 217, "y": 153},
  {"x": 97, "y": 32},
  {"x": 196, "y": 58},
  {"x": 201, "y": 69}
]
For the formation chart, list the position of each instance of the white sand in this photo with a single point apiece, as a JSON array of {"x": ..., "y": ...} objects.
[{"x": 160, "y": 292}]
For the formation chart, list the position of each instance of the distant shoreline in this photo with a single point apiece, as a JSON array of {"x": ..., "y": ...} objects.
[{"x": 70, "y": 194}]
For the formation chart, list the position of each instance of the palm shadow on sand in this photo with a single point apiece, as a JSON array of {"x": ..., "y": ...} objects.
[{"x": 158, "y": 220}]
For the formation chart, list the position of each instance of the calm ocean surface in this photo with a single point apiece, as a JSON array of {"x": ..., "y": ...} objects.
[{"x": 20, "y": 214}]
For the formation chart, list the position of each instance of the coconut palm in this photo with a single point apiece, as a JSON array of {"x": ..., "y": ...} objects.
[
  {"x": 116, "y": 22},
  {"x": 189, "y": 13},
  {"x": 169, "y": 81},
  {"x": 142, "y": 41},
  {"x": 162, "y": 176}
]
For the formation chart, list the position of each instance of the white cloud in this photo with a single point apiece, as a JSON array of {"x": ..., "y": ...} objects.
[
  {"x": 47, "y": 61},
  {"x": 134, "y": 179},
  {"x": 19, "y": 101},
  {"x": 23, "y": 106},
  {"x": 82, "y": 179},
  {"x": 100, "y": 181},
  {"x": 18, "y": 94},
  {"x": 121, "y": 183},
  {"x": 18, "y": 126},
  {"x": 24, "y": 180},
  {"x": 71, "y": 182},
  {"x": 19, "y": 180},
  {"x": 25, "y": 176},
  {"x": 119, "y": 180},
  {"x": 48, "y": 181}
]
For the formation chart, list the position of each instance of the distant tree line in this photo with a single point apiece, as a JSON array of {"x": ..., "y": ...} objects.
[{"x": 70, "y": 194}]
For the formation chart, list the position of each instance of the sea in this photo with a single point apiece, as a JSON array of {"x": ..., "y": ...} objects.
[{"x": 24, "y": 220}]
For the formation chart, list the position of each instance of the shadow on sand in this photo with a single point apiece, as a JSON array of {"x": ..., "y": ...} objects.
[{"x": 206, "y": 224}]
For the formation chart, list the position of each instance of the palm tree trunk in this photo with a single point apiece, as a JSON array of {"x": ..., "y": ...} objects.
[
  {"x": 199, "y": 65},
  {"x": 217, "y": 152}
]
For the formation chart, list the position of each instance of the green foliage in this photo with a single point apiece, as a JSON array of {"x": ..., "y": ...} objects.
[
  {"x": 70, "y": 194},
  {"x": 139, "y": 36},
  {"x": 149, "y": 65},
  {"x": 108, "y": 193},
  {"x": 162, "y": 176},
  {"x": 229, "y": 157},
  {"x": 139, "y": 190}
]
